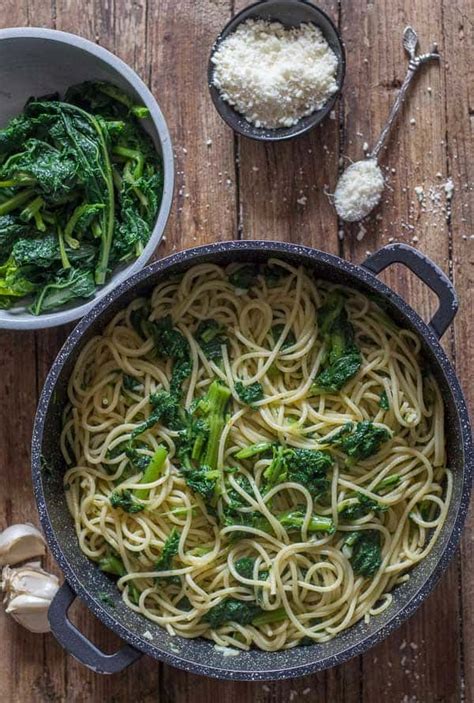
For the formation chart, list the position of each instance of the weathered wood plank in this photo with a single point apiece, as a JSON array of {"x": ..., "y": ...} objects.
[
  {"x": 180, "y": 36},
  {"x": 414, "y": 663},
  {"x": 458, "y": 31}
]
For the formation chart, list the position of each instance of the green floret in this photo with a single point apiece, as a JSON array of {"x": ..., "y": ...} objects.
[
  {"x": 359, "y": 505},
  {"x": 342, "y": 357},
  {"x": 126, "y": 501},
  {"x": 366, "y": 552},
  {"x": 232, "y": 610},
  {"x": 112, "y": 564},
  {"x": 305, "y": 466},
  {"x": 244, "y": 567},
  {"x": 209, "y": 335},
  {"x": 309, "y": 467},
  {"x": 169, "y": 342},
  {"x": 360, "y": 441},
  {"x": 204, "y": 481},
  {"x": 169, "y": 551},
  {"x": 244, "y": 277},
  {"x": 250, "y": 394}
]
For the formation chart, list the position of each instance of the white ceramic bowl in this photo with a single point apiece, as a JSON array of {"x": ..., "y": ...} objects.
[{"x": 36, "y": 62}]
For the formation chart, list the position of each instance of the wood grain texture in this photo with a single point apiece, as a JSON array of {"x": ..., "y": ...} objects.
[{"x": 228, "y": 188}]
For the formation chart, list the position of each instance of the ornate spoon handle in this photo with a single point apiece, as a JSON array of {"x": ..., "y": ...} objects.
[{"x": 410, "y": 43}]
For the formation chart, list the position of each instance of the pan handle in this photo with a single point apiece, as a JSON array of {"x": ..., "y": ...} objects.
[
  {"x": 428, "y": 272},
  {"x": 76, "y": 644}
]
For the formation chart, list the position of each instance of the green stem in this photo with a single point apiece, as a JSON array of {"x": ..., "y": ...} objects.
[
  {"x": 218, "y": 397},
  {"x": 66, "y": 264},
  {"x": 152, "y": 472},
  {"x": 253, "y": 450},
  {"x": 269, "y": 616},
  {"x": 16, "y": 201}
]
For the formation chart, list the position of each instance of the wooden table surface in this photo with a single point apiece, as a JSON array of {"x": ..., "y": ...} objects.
[{"x": 229, "y": 188}]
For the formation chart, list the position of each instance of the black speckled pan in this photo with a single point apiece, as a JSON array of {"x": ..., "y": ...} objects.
[{"x": 199, "y": 656}]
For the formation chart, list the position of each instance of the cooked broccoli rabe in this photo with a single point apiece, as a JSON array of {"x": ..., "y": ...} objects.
[
  {"x": 361, "y": 440},
  {"x": 357, "y": 506},
  {"x": 249, "y": 394},
  {"x": 243, "y": 613},
  {"x": 365, "y": 552},
  {"x": 277, "y": 331},
  {"x": 169, "y": 551},
  {"x": 254, "y": 450},
  {"x": 169, "y": 342},
  {"x": 305, "y": 466},
  {"x": 342, "y": 357},
  {"x": 199, "y": 444},
  {"x": 244, "y": 276},
  {"x": 126, "y": 501},
  {"x": 82, "y": 174},
  {"x": 210, "y": 337},
  {"x": 244, "y": 567},
  {"x": 273, "y": 274},
  {"x": 293, "y": 520},
  {"x": 152, "y": 472},
  {"x": 112, "y": 564},
  {"x": 232, "y": 610}
]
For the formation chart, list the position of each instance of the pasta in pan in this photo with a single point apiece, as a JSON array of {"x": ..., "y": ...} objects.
[{"x": 257, "y": 457}]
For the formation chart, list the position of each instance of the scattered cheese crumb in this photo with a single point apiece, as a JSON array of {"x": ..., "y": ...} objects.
[
  {"x": 226, "y": 651},
  {"x": 449, "y": 188},
  {"x": 361, "y": 233},
  {"x": 273, "y": 75},
  {"x": 359, "y": 190},
  {"x": 303, "y": 200},
  {"x": 148, "y": 635},
  {"x": 412, "y": 121},
  {"x": 365, "y": 147},
  {"x": 208, "y": 142},
  {"x": 420, "y": 193}
]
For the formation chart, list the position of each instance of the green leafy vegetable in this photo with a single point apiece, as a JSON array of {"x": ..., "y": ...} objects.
[
  {"x": 366, "y": 556},
  {"x": 356, "y": 507},
  {"x": 253, "y": 450},
  {"x": 293, "y": 520},
  {"x": 342, "y": 359},
  {"x": 169, "y": 551},
  {"x": 232, "y": 610},
  {"x": 80, "y": 188},
  {"x": 361, "y": 440},
  {"x": 152, "y": 472},
  {"x": 210, "y": 337},
  {"x": 249, "y": 394},
  {"x": 305, "y": 466},
  {"x": 244, "y": 276},
  {"x": 126, "y": 501},
  {"x": 277, "y": 331}
]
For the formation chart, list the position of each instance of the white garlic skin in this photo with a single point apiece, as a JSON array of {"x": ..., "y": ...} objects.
[
  {"x": 19, "y": 543},
  {"x": 28, "y": 592}
]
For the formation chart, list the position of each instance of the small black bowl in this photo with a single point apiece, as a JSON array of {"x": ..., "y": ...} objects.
[{"x": 291, "y": 13}]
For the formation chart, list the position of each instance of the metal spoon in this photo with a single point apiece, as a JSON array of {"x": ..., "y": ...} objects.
[{"x": 410, "y": 44}]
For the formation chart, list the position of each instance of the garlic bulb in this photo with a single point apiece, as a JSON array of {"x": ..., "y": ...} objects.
[
  {"x": 29, "y": 591},
  {"x": 19, "y": 543}
]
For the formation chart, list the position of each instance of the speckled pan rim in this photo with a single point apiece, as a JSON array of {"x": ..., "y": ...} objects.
[
  {"x": 354, "y": 273},
  {"x": 156, "y": 116}
]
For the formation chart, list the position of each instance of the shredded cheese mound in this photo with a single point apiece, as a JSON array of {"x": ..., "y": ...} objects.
[
  {"x": 275, "y": 75},
  {"x": 359, "y": 190}
]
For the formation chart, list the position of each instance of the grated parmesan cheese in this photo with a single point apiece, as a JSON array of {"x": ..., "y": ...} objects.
[
  {"x": 275, "y": 75},
  {"x": 358, "y": 190}
]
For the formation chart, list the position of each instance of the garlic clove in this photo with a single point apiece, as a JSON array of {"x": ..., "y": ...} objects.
[
  {"x": 19, "y": 543},
  {"x": 28, "y": 592},
  {"x": 29, "y": 579},
  {"x": 30, "y": 611}
]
